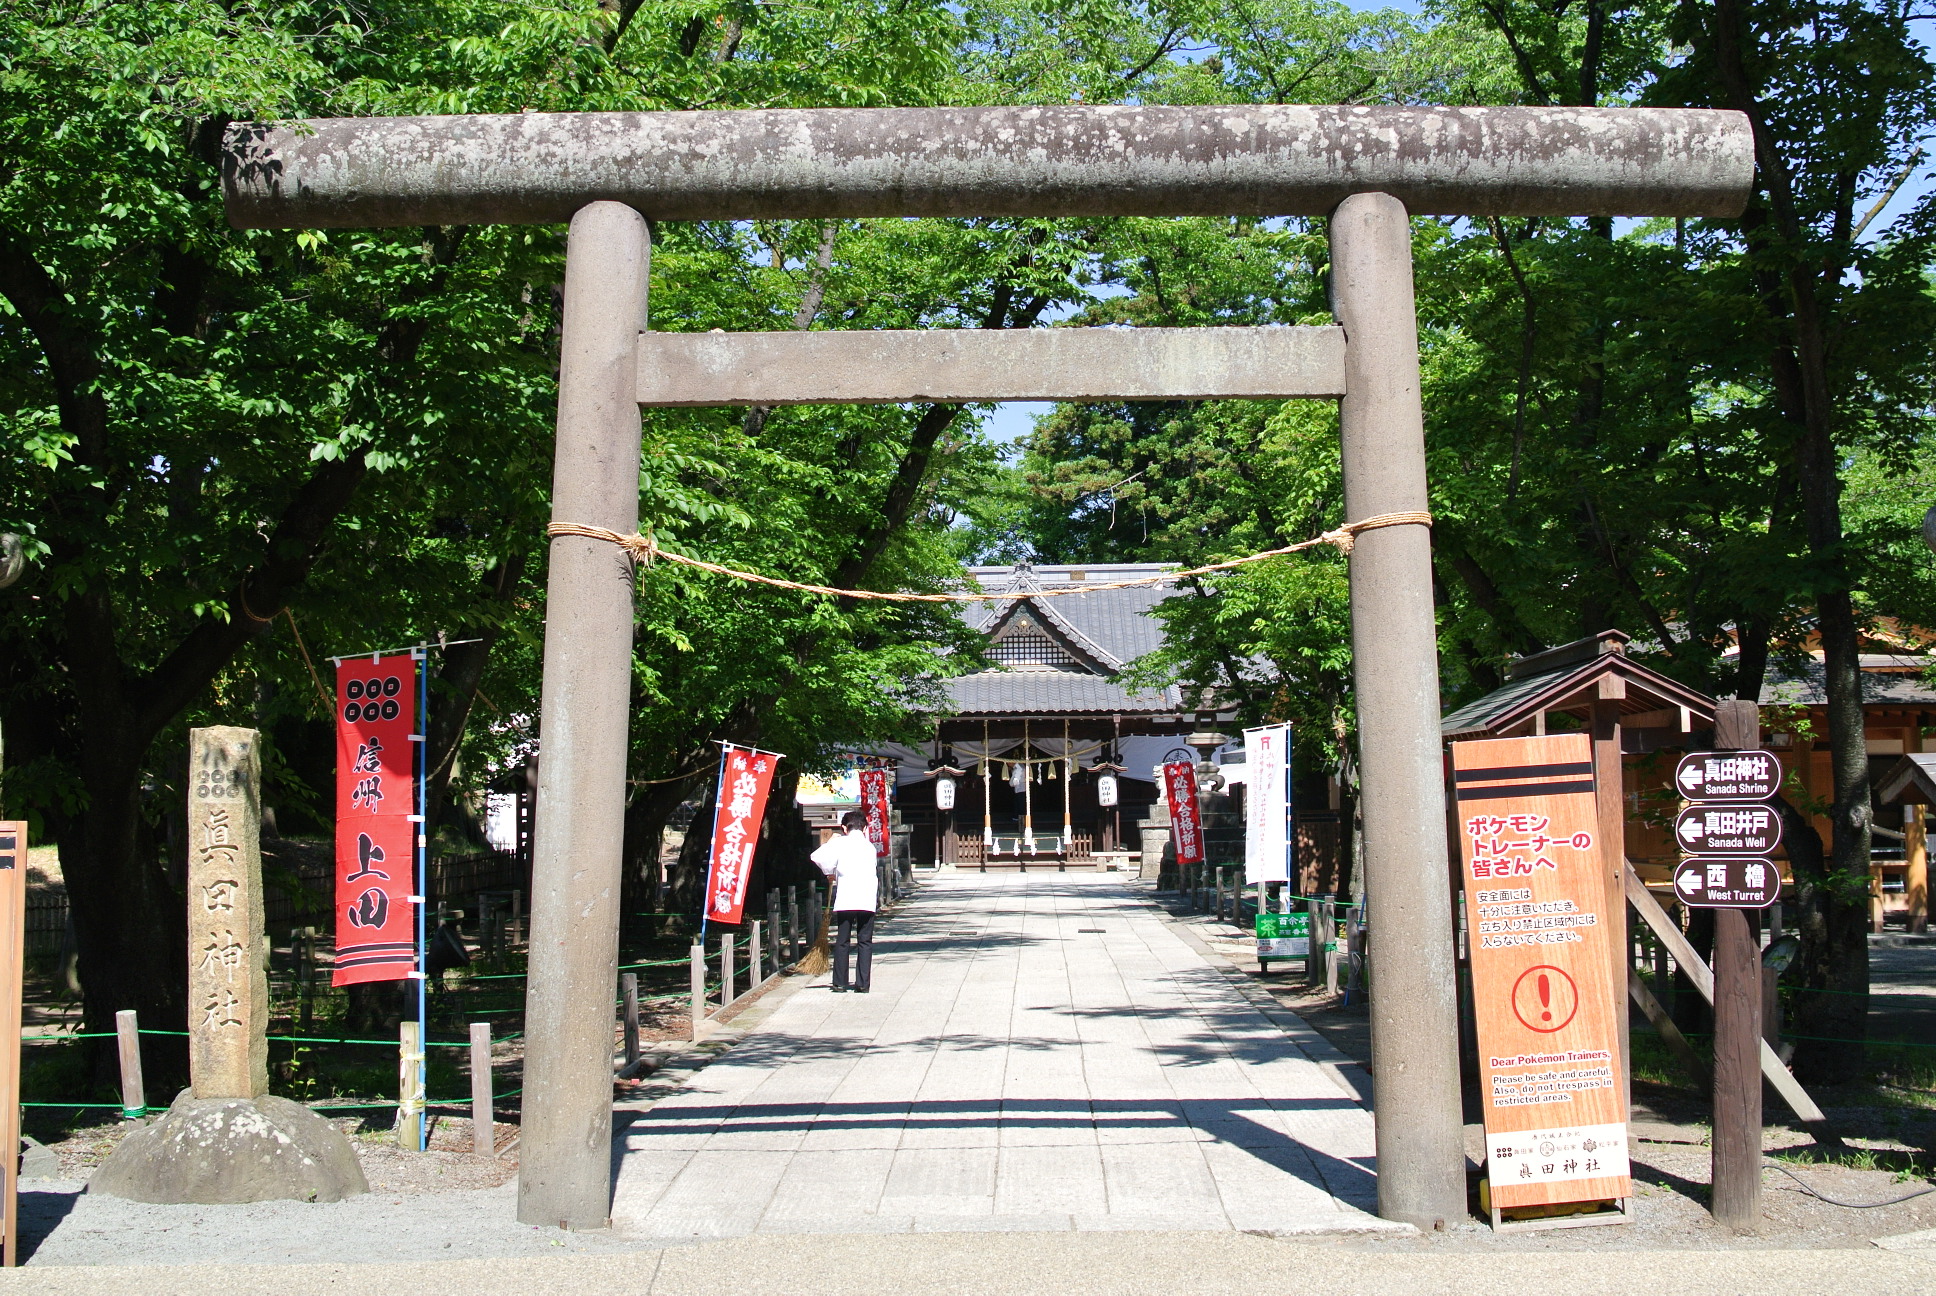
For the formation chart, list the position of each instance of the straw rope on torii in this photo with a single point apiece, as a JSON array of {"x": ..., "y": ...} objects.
[{"x": 645, "y": 548}]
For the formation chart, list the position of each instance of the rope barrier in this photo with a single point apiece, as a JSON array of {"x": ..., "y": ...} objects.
[
  {"x": 644, "y": 549},
  {"x": 285, "y": 1039}
]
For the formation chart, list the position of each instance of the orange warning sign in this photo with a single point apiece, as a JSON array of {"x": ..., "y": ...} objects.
[{"x": 1550, "y": 1059}]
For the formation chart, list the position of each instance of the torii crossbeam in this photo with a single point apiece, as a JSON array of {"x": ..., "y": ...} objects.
[{"x": 1369, "y": 169}]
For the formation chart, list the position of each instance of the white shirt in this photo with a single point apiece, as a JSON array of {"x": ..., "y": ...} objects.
[{"x": 849, "y": 860}]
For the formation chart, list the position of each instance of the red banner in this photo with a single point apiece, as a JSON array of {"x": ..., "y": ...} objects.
[
  {"x": 874, "y": 785},
  {"x": 1186, "y": 819},
  {"x": 376, "y": 819},
  {"x": 746, "y": 776}
]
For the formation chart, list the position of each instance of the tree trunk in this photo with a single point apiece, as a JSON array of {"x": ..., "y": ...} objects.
[
  {"x": 1833, "y": 923},
  {"x": 645, "y": 820},
  {"x": 453, "y": 690},
  {"x": 1798, "y": 276},
  {"x": 130, "y": 926},
  {"x": 686, "y": 894}
]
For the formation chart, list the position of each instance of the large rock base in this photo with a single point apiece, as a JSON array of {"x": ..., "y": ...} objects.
[{"x": 217, "y": 1151}]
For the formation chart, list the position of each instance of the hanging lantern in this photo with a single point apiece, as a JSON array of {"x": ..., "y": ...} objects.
[
  {"x": 944, "y": 793},
  {"x": 1106, "y": 790}
]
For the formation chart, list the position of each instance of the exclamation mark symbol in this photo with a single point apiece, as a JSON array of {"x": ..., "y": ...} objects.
[{"x": 1545, "y": 997}]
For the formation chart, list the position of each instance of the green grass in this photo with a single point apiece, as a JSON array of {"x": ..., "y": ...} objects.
[{"x": 1654, "y": 1063}]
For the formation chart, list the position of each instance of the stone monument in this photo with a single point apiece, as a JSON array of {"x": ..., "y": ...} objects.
[{"x": 226, "y": 1138}]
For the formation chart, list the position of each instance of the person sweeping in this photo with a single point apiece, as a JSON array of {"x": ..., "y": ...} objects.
[{"x": 849, "y": 861}]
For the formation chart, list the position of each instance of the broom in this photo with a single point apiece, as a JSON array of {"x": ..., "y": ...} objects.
[{"x": 819, "y": 957}]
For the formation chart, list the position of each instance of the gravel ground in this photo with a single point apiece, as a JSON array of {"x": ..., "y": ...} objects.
[
  {"x": 1670, "y": 1153},
  {"x": 448, "y": 1203}
]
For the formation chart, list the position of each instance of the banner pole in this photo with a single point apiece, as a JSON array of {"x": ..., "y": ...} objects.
[
  {"x": 423, "y": 885},
  {"x": 719, "y": 793}
]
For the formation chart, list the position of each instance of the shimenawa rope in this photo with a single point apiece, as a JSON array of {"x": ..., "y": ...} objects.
[{"x": 644, "y": 549}]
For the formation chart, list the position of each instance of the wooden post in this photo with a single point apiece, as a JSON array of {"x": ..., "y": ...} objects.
[
  {"x": 1915, "y": 850},
  {"x": 698, "y": 991},
  {"x": 629, "y": 988},
  {"x": 134, "y": 1095},
  {"x": 794, "y": 952},
  {"x": 410, "y": 1097},
  {"x": 1314, "y": 957},
  {"x": 1663, "y": 970},
  {"x": 1736, "y": 1175},
  {"x": 306, "y": 960},
  {"x": 13, "y": 947},
  {"x": 517, "y": 918},
  {"x": 1330, "y": 948},
  {"x": 725, "y": 967},
  {"x": 754, "y": 963},
  {"x": 1609, "y": 795},
  {"x": 483, "y": 1110}
]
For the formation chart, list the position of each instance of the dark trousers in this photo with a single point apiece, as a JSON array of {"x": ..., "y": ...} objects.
[{"x": 854, "y": 926}]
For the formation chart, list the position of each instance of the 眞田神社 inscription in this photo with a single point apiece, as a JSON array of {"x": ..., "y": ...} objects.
[{"x": 228, "y": 985}]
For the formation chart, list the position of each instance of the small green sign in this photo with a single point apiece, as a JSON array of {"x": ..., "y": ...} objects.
[
  {"x": 1283, "y": 935},
  {"x": 1273, "y": 926}
]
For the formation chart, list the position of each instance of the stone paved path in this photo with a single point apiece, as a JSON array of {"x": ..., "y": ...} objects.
[{"x": 1040, "y": 1051}]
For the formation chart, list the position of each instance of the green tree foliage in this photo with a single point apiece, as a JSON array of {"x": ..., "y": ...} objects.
[
  {"x": 208, "y": 428},
  {"x": 1694, "y": 431}
]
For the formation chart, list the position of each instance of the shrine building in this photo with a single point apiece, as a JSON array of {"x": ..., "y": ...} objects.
[{"x": 1048, "y": 758}]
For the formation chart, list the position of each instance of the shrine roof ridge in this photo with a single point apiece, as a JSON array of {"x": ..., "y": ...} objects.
[{"x": 1054, "y": 161}]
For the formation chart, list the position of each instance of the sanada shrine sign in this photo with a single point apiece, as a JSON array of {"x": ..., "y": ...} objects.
[
  {"x": 1543, "y": 995},
  {"x": 1728, "y": 776}
]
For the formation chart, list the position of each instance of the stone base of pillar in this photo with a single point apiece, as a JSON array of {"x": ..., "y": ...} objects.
[
  {"x": 1156, "y": 846},
  {"x": 221, "y": 1151}
]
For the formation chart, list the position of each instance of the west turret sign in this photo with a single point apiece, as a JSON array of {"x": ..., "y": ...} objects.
[{"x": 1727, "y": 882}]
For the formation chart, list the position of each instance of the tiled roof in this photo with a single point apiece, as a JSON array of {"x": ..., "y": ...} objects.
[
  {"x": 1118, "y": 621},
  {"x": 1049, "y": 692},
  {"x": 1480, "y": 715},
  {"x": 1886, "y": 687},
  {"x": 1646, "y": 690}
]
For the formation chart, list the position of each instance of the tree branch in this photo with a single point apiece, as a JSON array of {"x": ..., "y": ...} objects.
[{"x": 71, "y": 347}]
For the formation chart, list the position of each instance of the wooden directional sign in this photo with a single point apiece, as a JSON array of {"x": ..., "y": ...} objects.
[
  {"x": 1727, "y": 882},
  {"x": 1728, "y": 776},
  {"x": 1725, "y": 829}
]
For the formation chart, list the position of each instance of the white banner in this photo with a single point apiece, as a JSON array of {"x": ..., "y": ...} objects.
[{"x": 1268, "y": 833}]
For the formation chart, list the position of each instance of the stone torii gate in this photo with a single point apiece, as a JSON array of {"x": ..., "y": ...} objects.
[{"x": 1368, "y": 169}]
